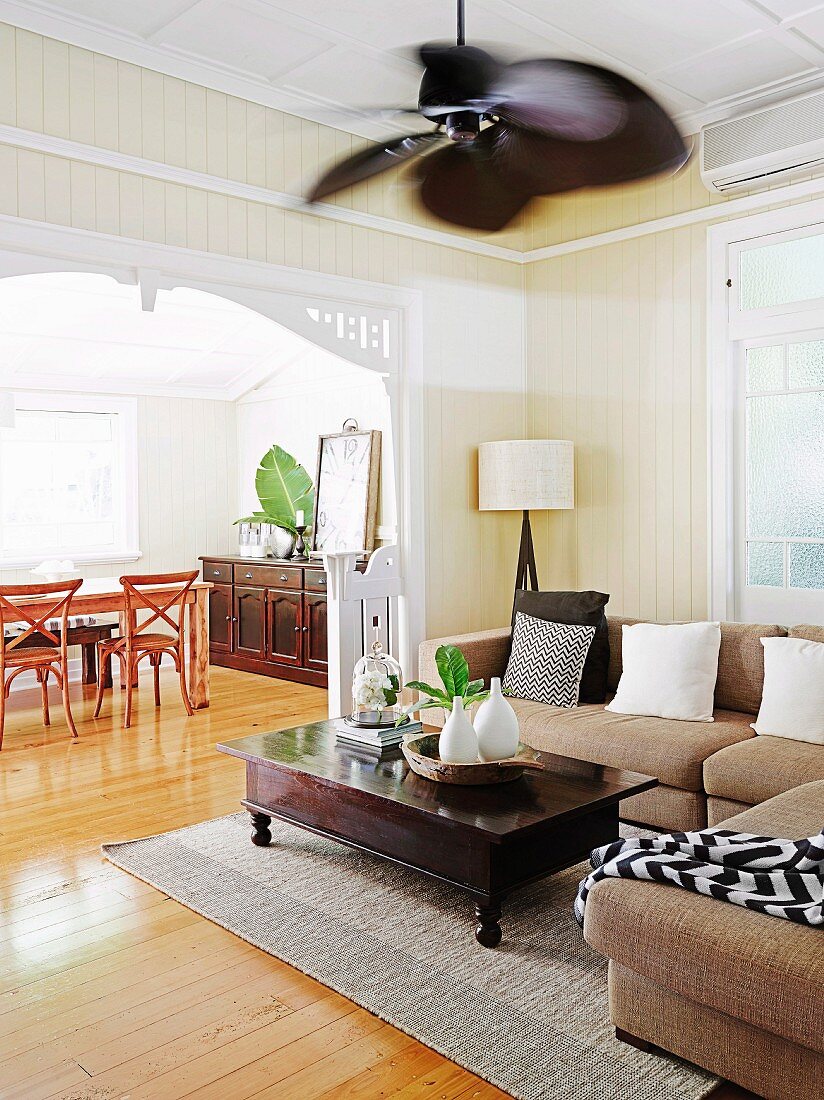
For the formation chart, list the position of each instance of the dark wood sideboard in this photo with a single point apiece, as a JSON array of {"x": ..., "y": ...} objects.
[{"x": 268, "y": 616}]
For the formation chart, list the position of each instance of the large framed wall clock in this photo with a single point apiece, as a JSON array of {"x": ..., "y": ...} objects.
[{"x": 346, "y": 493}]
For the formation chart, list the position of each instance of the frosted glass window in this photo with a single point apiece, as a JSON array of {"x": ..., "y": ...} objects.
[
  {"x": 805, "y": 365},
  {"x": 765, "y": 563},
  {"x": 785, "y": 466},
  {"x": 775, "y": 274},
  {"x": 807, "y": 565},
  {"x": 765, "y": 369}
]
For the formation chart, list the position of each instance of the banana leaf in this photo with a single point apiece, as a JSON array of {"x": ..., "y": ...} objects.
[{"x": 283, "y": 488}]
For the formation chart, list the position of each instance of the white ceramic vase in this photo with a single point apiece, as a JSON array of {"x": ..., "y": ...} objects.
[
  {"x": 458, "y": 743},
  {"x": 496, "y": 726}
]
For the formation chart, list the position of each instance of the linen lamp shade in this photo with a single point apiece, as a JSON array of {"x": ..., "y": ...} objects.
[{"x": 522, "y": 474}]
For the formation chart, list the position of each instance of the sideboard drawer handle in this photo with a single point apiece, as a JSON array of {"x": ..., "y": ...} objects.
[
  {"x": 215, "y": 572},
  {"x": 248, "y": 576},
  {"x": 305, "y": 629},
  {"x": 297, "y": 628},
  {"x": 283, "y": 577}
]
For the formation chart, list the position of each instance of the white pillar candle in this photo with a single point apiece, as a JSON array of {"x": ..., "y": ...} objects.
[{"x": 298, "y": 519}]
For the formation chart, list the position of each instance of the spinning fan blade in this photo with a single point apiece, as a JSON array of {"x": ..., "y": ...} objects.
[
  {"x": 370, "y": 162},
  {"x": 646, "y": 144},
  {"x": 563, "y": 99},
  {"x": 461, "y": 185},
  {"x": 532, "y": 163},
  {"x": 455, "y": 74}
]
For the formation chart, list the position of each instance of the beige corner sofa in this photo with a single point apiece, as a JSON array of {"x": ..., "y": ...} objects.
[
  {"x": 737, "y": 992},
  {"x": 706, "y": 770}
]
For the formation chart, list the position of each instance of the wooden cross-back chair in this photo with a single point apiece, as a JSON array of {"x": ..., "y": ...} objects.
[
  {"x": 141, "y": 594},
  {"x": 17, "y": 654}
]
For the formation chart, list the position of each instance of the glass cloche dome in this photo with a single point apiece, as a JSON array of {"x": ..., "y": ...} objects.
[{"x": 377, "y": 683}]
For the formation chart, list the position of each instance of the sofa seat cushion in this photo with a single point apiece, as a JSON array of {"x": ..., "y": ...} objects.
[
  {"x": 766, "y": 971},
  {"x": 671, "y": 750},
  {"x": 753, "y": 771}
]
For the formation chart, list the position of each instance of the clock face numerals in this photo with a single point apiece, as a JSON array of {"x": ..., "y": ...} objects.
[{"x": 343, "y": 492}]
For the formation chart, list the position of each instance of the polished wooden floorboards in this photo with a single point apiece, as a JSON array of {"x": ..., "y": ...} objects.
[{"x": 108, "y": 988}]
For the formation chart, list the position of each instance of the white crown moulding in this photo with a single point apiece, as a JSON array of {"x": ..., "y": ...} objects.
[{"x": 50, "y": 145}]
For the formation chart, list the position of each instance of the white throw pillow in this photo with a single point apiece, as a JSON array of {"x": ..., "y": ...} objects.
[
  {"x": 792, "y": 704},
  {"x": 668, "y": 671}
]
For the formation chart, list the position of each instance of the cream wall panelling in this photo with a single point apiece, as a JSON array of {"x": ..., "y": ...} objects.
[
  {"x": 726, "y": 326},
  {"x": 286, "y": 295},
  {"x": 35, "y": 141},
  {"x": 216, "y": 184}
]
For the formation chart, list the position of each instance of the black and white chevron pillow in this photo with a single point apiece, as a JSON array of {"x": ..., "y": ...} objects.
[{"x": 547, "y": 660}]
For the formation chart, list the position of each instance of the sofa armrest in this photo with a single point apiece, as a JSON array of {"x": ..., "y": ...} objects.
[{"x": 486, "y": 652}]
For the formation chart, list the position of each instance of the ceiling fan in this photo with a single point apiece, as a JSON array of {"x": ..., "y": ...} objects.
[{"x": 508, "y": 132}]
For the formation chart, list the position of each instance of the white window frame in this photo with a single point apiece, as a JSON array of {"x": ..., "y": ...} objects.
[
  {"x": 727, "y": 327},
  {"x": 127, "y": 547}
]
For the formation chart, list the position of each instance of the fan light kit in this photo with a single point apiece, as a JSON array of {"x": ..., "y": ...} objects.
[{"x": 508, "y": 132}]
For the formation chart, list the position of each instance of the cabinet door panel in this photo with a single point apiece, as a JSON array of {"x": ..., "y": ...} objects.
[
  {"x": 314, "y": 632},
  {"x": 283, "y": 627},
  {"x": 220, "y": 618},
  {"x": 249, "y": 625}
]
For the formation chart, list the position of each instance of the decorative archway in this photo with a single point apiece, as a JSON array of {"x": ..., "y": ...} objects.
[{"x": 371, "y": 324}]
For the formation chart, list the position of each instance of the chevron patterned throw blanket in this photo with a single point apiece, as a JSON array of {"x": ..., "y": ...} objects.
[{"x": 783, "y": 878}]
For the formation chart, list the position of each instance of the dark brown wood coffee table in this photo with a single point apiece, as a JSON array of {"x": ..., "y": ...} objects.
[{"x": 487, "y": 840}]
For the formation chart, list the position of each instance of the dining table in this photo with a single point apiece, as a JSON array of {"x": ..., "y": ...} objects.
[{"x": 105, "y": 595}]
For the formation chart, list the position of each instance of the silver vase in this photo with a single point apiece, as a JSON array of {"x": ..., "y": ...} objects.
[{"x": 282, "y": 542}]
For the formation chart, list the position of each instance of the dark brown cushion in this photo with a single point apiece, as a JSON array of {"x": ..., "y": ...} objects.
[{"x": 575, "y": 609}]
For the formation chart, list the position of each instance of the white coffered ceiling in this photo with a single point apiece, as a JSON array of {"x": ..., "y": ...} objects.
[
  {"x": 705, "y": 59},
  {"x": 78, "y": 332}
]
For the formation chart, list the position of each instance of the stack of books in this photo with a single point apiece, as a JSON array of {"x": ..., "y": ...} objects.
[{"x": 378, "y": 739}]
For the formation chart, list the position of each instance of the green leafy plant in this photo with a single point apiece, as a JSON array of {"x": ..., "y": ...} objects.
[
  {"x": 283, "y": 488},
  {"x": 390, "y": 694},
  {"x": 454, "y": 672}
]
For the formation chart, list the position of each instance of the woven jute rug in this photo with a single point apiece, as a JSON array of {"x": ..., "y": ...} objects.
[{"x": 530, "y": 1017}]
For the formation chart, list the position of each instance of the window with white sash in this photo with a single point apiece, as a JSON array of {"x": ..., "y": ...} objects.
[
  {"x": 775, "y": 416},
  {"x": 68, "y": 481}
]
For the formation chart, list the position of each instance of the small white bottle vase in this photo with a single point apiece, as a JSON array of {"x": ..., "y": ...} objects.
[
  {"x": 458, "y": 743},
  {"x": 496, "y": 726}
]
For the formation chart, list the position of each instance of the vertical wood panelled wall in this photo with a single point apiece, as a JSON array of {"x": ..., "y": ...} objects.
[
  {"x": 617, "y": 361},
  {"x": 604, "y": 346},
  {"x": 473, "y": 305}
]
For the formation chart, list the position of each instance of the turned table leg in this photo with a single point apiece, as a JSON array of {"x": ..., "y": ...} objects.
[
  {"x": 488, "y": 930},
  {"x": 261, "y": 836},
  {"x": 88, "y": 657}
]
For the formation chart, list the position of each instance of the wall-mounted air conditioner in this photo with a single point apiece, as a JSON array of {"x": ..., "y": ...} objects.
[{"x": 773, "y": 143}]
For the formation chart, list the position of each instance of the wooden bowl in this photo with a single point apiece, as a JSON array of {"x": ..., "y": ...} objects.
[{"x": 422, "y": 756}]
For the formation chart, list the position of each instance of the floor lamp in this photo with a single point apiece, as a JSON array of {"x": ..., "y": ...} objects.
[{"x": 522, "y": 475}]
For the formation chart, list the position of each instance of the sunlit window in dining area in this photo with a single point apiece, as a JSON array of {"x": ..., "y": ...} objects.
[{"x": 65, "y": 484}]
